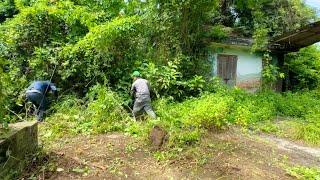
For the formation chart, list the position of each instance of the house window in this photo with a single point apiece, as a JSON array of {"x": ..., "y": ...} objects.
[{"x": 227, "y": 68}]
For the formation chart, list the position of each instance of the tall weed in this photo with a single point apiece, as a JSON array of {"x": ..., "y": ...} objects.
[{"x": 99, "y": 112}]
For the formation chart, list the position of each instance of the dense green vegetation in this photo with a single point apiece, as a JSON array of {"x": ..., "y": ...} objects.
[
  {"x": 90, "y": 48},
  {"x": 304, "y": 68},
  {"x": 89, "y": 42},
  {"x": 304, "y": 172}
]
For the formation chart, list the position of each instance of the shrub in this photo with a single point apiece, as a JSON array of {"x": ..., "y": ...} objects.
[
  {"x": 184, "y": 137},
  {"x": 105, "y": 110},
  {"x": 304, "y": 68},
  {"x": 209, "y": 111},
  {"x": 309, "y": 130},
  {"x": 7, "y": 9},
  {"x": 105, "y": 54},
  {"x": 99, "y": 112},
  {"x": 167, "y": 80},
  {"x": 188, "y": 120},
  {"x": 297, "y": 104}
]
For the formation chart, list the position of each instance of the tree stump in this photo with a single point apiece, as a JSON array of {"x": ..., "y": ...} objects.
[{"x": 158, "y": 137}]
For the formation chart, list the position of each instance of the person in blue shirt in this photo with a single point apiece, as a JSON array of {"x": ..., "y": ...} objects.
[{"x": 36, "y": 93}]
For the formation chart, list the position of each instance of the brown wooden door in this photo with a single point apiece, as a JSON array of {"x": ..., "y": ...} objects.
[{"x": 227, "y": 68}]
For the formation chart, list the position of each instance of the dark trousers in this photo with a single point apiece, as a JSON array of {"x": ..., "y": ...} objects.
[
  {"x": 40, "y": 101},
  {"x": 138, "y": 107}
]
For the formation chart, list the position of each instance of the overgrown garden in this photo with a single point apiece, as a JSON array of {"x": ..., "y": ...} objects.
[{"x": 90, "y": 48}]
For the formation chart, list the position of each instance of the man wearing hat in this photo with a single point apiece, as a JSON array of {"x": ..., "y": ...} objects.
[{"x": 141, "y": 91}]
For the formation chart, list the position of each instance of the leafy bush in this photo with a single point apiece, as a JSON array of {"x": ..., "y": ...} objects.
[
  {"x": 105, "y": 110},
  {"x": 7, "y": 9},
  {"x": 252, "y": 108},
  {"x": 209, "y": 110},
  {"x": 301, "y": 172},
  {"x": 219, "y": 32},
  {"x": 4, "y": 81},
  {"x": 228, "y": 106},
  {"x": 304, "y": 68},
  {"x": 188, "y": 120},
  {"x": 184, "y": 137},
  {"x": 168, "y": 81},
  {"x": 99, "y": 112},
  {"x": 297, "y": 104}
]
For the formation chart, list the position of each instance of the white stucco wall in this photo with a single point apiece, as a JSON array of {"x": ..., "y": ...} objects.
[{"x": 249, "y": 66}]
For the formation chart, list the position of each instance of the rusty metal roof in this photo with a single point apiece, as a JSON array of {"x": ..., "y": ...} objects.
[
  {"x": 233, "y": 42},
  {"x": 293, "y": 41}
]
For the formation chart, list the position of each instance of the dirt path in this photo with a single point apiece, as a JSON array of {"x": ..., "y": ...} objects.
[
  {"x": 111, "y": 156},
  {"x": 228, "y": 155},
  {"x": 309, "y": 156}
]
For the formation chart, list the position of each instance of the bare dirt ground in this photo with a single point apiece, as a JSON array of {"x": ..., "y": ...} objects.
[
  {"x": 307, "y": 156},
  {"x": 227, "y": 155}
]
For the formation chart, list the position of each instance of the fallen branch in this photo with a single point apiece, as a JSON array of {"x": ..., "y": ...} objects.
[{"x": 15, "y": 114}]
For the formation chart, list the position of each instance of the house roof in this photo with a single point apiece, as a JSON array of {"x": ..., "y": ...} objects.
[
  {"x": 288, "y": 42},
  {"x": 238, "y": 41},
  {"x": 293, "y": 41},
  {"x": 234, "y": 42}
]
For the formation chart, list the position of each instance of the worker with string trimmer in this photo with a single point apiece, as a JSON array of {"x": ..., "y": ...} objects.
[
  {"x": 140, "y": 90},
  {"x": 36, "y": 93}
]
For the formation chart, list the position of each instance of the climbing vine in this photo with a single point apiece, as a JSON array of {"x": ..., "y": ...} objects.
[{"x": 270, "y": 73}]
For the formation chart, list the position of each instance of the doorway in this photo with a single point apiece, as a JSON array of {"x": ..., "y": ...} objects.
[{"x": 227, "y": 68}]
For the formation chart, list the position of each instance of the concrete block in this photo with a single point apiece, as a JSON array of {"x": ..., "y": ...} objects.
[{"x": 20, "y": 141}]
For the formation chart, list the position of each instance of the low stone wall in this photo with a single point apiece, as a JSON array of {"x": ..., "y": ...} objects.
[{"x": 20, "y": 141}]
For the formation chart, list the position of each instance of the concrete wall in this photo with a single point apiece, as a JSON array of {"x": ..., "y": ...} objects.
[
  {"x": 19, "y": 142},
  {"x": 249, "y": 67}
]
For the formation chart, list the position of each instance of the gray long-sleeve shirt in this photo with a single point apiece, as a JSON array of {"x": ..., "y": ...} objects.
[{"x": 141, "y": 89}]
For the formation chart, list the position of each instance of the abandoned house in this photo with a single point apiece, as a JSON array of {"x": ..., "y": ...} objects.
[{"x": 233, "y": 61}]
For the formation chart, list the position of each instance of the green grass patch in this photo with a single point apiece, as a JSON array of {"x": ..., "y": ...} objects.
[
  {"x": 305, "y": 173},
  {"x": 292, "y": 128}
]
